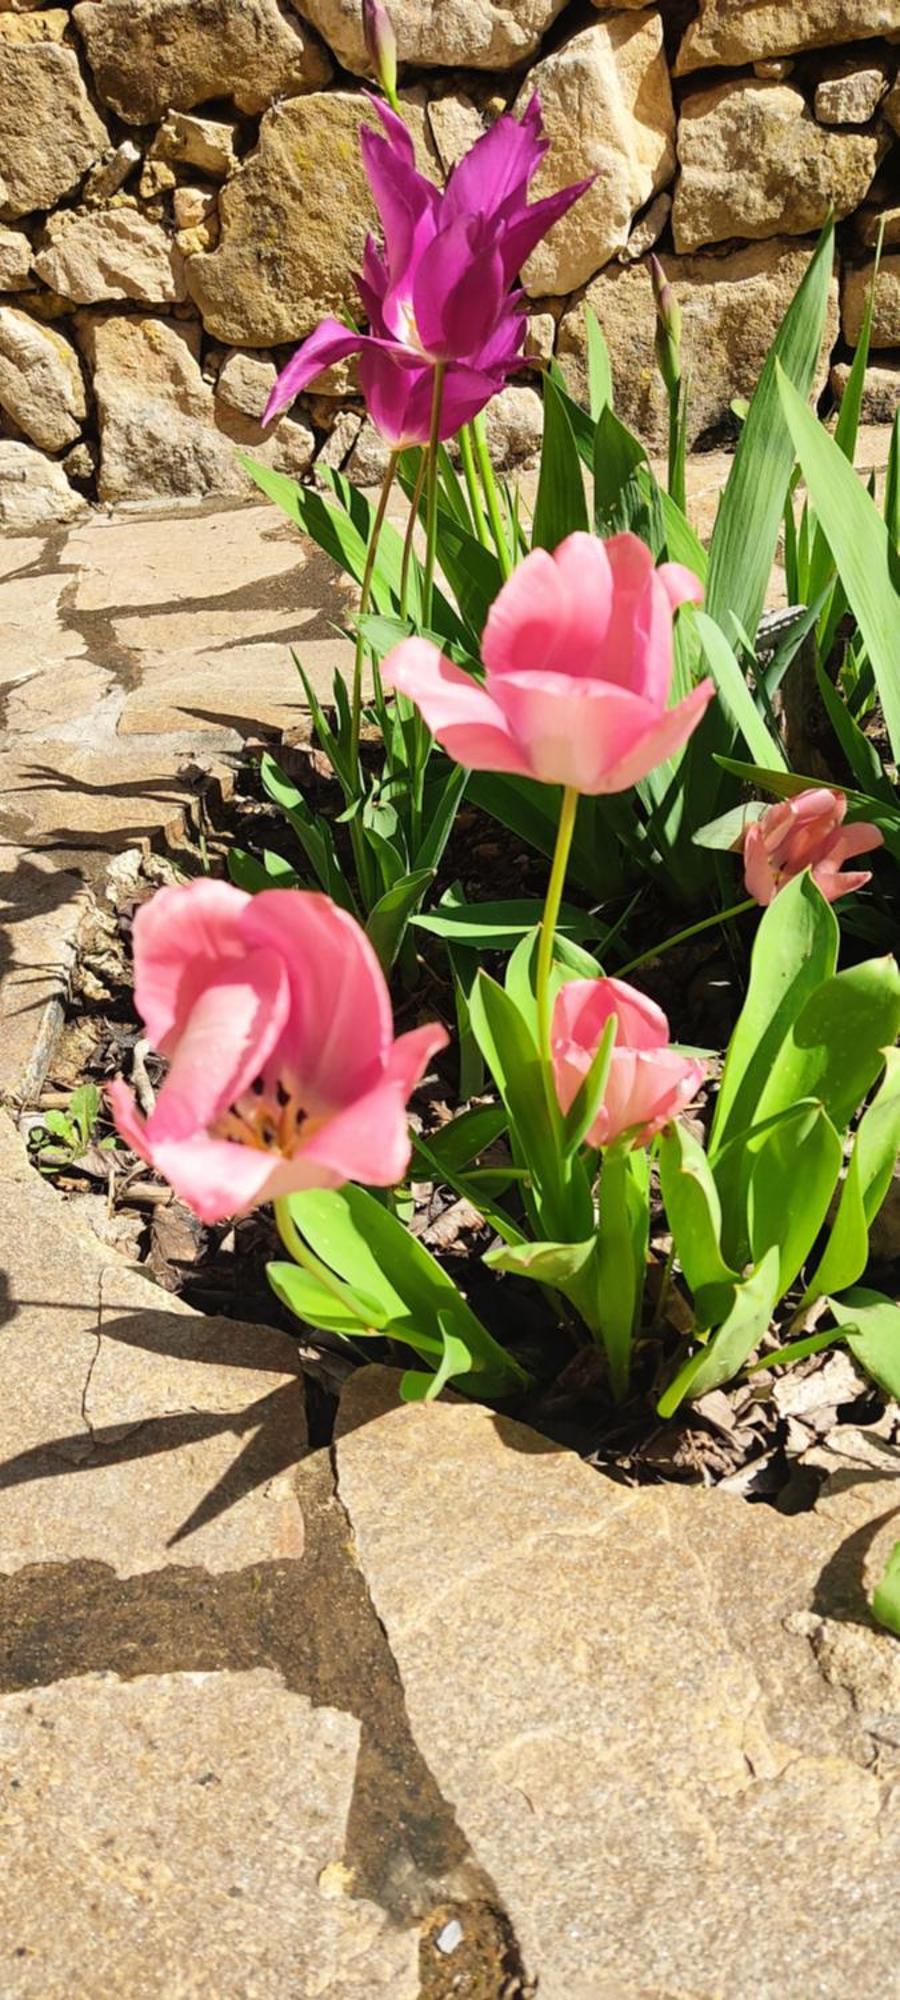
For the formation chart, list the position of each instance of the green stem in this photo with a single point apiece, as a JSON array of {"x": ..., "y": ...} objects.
[
  {"x": 676, "y": 447},
  {"x": 681, "y": 937},
  {"x": 489, "y": 485},
  {"x": 548, "y": 933},
  {"x": 431, "y": 494},
  {"x": 308, "y": 1261},
  {"x": 467, "y": 459},
  {"x": 409, "y": 537},
  {"x": 365, "y": 594}
]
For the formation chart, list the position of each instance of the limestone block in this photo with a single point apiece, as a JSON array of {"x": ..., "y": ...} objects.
[
  {"x": 34, "y": 490},
  {"x": 452, "y": 34},
  {"x": 113, "y": 253},
  {"x": 41, "y": 386},
  {"x": 732, "y": 31},
  {"x": 149, "y": 57},
  {"x": 49, "y": 131},
  {"x": 886, "y": 319},
  {"x": 755, "y": 163}
]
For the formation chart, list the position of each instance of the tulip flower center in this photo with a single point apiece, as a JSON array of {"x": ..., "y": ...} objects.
[
  {"x": 270, "y": 1124},
  {"x": 406, "y": 329}
]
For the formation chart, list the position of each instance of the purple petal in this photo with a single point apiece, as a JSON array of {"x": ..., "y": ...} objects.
[
  {"x": 407, "y": 204},
  {"x": 329, "y": 343},
  {"x": 521, "y": 236},
  {"x": 498, "y": 167},
  {"x": 458, "y": 293},
  {"x": 397, "y": 132}
]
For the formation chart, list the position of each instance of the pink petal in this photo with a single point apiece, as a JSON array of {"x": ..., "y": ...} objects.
[
  {"x": 836, "y": 882},
  {"x": 178, "y": 932},
  {"x": 369, "y": 1141},
  {"x": 660, "y": 742},
  {"x": 759, "y": 878},
  {"x": 340, "y": 1027},
  {"x": 466, "y": 721},
  {"x": 218, "y": 1179},
  {"x": 680, "y": 583},
  {"x": 638, "y": 650},
  {"x": 572, "y": 730},
  {"x": 129, "y": 1122},
  {"x": 583, "y": 1007},
  {"x": 860, "y": 838},
  {"x": 411, "y": 1054},
  {"x": 226, "y": 1042},
  {"x": 525, "y": 618}
]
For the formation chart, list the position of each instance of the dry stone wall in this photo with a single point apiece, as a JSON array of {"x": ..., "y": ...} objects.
[{"x": 181, "y": 199}]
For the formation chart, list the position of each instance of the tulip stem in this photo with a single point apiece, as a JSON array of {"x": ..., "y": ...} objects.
[
  {"x": 364, "y": 596},
  {"x": 431, "y": 493},
  {"x": 471, "y": 478},
  {"x": 409, "y": 537},
  {"x": 308, "y": 1261},
  {"x": 489, "y": 485},
  {"x": 550, "y": 920},
  {"x": 682, "y": 937}
]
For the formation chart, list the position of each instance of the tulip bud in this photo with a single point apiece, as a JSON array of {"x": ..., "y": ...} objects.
[
  {"x": 381, "y": 44},
  {"x": 668, "y": 327}
]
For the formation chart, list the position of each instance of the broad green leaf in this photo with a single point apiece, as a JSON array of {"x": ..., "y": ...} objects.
[
  {"x": 561, "y": 1193},
  {"x": 314, "y": 833},
  {"x": 387, "y": 921},
  {"x": 370, "y": 1249},
  {"x": 872, "y": 1162},
  {"x": 794, "y": 951},
  {"x": 735, "y": 694},
  {"x": 455, "y": 1360},
  {"x": 886, "y": 1596},
  {"x": 548, "y": 1263},
  {"x": 308, "y": 1300},
  {"x": 834, "y": 1047},
  {"x": 858, "y": 539},
  {"x": 694, "y": 1216},
  {"x": 732, "y": 1345},
  {"x": 745, "y": 535},
  {"x": 871, "y": 1324},
  {"x": 725, "y": 835},
  {"x": 794, "y": 1176},
  {"x": 499, "y": 926},
  {"x": 464, "y": 1139},
  {"x": 560, "y": 507},
  {"x": 619, "y": 502},
  {"x": 253, "y": 872}
]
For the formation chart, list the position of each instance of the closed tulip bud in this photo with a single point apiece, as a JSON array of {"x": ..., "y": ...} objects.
[
  {"x": 668, "y": 327},
  {"x": 381, "y": 43}
]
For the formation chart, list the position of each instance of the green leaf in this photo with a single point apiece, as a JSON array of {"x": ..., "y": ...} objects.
[
  {"x": 254, "y": 873},
  {"x": 585, "y": 1106},
  {"x": 370, "y": 1249},
  {"x": 747, "y": 525},
  {"x": 694, "y": 1215},
  {"x": 732, "y": 1345},
  {"x": 314, "y": 833},
  {"x": 886, "y": 1596},
  {"x": 794, "y": 1176},
  {"x": 794, "y": 951},
  {"x": 871, "y": 1324},
  {"x": 869, "y": 1174},
  {"x": 386, "y": 923},
  {"x": 560, "y": 507},
  {"x": 499, "y": 926},
  {"x": 456, "y": 1360},
  {"x": 834, "y": 1048},
  {"x": 308, "y": 1300},
  {"x": 859, "y": 542},
  {"x": 547, "y": 1263},
  {"x": 562, "y": 1203},
  {"x": 464, "y": 1139},
  {"x": 735, "y": 694},
  {"x": 725, "y": 835},
  {"x": 600, "y": 380},
  {"x": 620, "y": 504}
]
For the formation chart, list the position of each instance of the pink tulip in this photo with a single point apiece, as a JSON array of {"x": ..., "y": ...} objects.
[
  {"x": 806, "y": 832},
  {"x": 648, "y": 1082},
  {"x": 578, "y": 652},
  {"x": 442, "y": 289},
  {"x": 275, "y": 1019}
]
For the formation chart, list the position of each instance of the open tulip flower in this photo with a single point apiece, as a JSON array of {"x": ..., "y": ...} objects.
[
  {"x": 806, "y": 832},
  {"x": 284, "y": 1073},
  {"x": 441, "y": 294},
  {"x": 648, "y": 1082},
  {"x": 578, "y": 652}
]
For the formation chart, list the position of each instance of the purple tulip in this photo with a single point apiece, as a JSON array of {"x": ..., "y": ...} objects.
[{"x": 443, "y": 290}]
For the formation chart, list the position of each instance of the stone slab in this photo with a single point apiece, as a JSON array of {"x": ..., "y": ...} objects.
[
  {"x": 134, "y": 1431},
  {"x": 629, "y": 1696},
  {"x": 179, "y": 1835}
]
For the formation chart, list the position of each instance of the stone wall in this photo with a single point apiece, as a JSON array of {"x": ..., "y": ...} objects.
[{"x": 181, "y": 199}]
